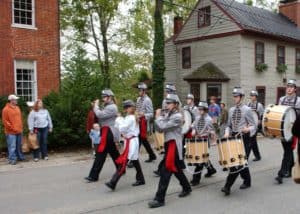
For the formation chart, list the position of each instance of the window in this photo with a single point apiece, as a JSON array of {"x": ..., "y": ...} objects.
[
  {"x": 23, "y": 12},
  {"x": 186, "y": 57},
  {"x": 261, "y": 94},
  {"x": 297, "y": 58},
  {"x": 204, "y": 17},
  {"x": 280, "y": 55},
  {"x": 259, "y": 53},
  {"x": 25, "y": 79}
]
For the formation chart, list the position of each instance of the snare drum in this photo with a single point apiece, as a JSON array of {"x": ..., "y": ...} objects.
[
  {"x": 159, "y": 140},
  {"x": 278, "y": 121},
  {"x": 231, "y": 152},
  {"x": 196, "y": 151}
]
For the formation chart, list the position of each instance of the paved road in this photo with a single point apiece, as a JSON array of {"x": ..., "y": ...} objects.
[{"x": 57, "y": 186}]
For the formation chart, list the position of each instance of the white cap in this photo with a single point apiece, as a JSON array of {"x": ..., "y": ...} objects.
[
  {"x": 30, "y": 104},
  {"x": 13, "y": 97}
]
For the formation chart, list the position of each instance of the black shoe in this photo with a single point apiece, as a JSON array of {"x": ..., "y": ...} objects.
[
  {"x": 225, "y": 169},
  {"x": 90, "y": 180},
  {"x": 138, "y": 183},
  {"x": 279, "y": 179},
  {"x": 226, "y": 190},
  {"x": 184, "y": 193},
  {"x": 155, "y": 204},
  {"x": 130, "y": 164},
  {"x": 110, "y": 185},
  {"x": 244, "y": 186},
  {"x": 257, "y": 159},
  {"x": 156, "y": 173},
  {"x": 194, "y": 183},
  {"x": 150, "y": 159},
  {"x": 210, "y": 172}
]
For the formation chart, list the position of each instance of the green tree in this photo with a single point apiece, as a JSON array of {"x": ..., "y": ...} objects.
[{"x": 90, "y": 22}]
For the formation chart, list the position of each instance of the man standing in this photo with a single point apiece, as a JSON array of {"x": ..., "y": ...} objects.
[
  {"x": 259, "y": 109},
  {"x": 145, "y": 113},
  {"x": 13, "y": 127},
  {"x": 292, "y": 100}
]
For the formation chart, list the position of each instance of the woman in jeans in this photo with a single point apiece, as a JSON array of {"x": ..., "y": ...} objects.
[{"x": 39, "y": 122}]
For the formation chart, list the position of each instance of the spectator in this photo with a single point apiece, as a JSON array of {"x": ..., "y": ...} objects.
[
  {"x": 214, "y": 112},
  {"x": 39, "y": 121},
  {"x": 95, "y": 136},
  {"x": 223, "y": 119},
  {"x": 13, "y": 128}
]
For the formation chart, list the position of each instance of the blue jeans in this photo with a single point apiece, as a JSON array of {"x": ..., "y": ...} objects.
[
  {"x": 42, "y": 135},
  {"x": 14, "y": 145}
]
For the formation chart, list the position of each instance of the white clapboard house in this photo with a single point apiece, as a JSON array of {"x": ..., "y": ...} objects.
[{"x": 224, "y": 43}]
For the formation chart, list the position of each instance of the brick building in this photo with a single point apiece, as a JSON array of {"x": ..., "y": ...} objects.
[{"x": 29, "y": 47}]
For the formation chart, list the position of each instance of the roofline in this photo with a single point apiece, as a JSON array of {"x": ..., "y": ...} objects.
[
  {"x": 227, "y": 14},
  {"x": 205, "y": 80}
]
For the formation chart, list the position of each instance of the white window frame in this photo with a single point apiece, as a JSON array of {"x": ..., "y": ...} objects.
[
  {"x": 32, "y": 27},
  {"x": 35, "y": 93}
]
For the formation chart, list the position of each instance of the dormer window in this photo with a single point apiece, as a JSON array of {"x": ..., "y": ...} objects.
[{"x": 204, "y": 17}]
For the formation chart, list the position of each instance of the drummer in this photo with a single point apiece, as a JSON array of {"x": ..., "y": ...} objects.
[
  {"x": 290, "y": 99},
  {"x": 202, "y": 127},
  {"x": 241, "y": 122},
  {"x": 259, "y": 109},
  {"x": 193, "y": 110}
]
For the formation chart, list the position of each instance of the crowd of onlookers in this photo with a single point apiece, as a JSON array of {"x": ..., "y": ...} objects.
[{"x": 39, "y": 125}]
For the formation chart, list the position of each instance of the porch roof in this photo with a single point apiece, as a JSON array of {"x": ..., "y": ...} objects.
[{"x": 207, "y": 72}]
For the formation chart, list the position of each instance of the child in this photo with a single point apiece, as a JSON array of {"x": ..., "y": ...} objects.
[
  {"x": 129, "y": 129},
  {"x": 95, "y": 136}
]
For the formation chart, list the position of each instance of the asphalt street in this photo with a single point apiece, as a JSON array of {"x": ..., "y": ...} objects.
[{"x": 57, "y": 186}]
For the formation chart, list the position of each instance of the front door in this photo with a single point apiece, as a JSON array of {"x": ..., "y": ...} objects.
[
  {"x": 195, "y": 90},
  {"x": 214, "y": 89}
]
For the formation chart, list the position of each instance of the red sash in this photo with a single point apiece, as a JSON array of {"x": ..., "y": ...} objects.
[
  {"x": 170, "y": 156},
  {"x": 294, "y": 142},
  {"x": 189, "y": 135},
  {"x": 104, "y": 132},
  {"x": 122, "y": 159},
  {"x": 143, "y": 128}
]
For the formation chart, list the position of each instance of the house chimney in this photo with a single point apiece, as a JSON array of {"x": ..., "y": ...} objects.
[
  {"x": 178, "y": 23},
  {"x": 291, "y": 9}
]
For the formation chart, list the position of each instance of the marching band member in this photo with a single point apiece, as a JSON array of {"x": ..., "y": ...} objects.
[
  {"x": 240, "y": 121},
  {"x": 169, "y": 89},
  {"x": 145, "y": 113},
  {"x": 129, "y": 129},
  {"x": 193, "y": 110},
  {"x": 292, "y": 100},
  {"x": 202, "y": 128},
  {"x": 109, "y": 134},
  {"x": 170, "y": 125},
  {"x": 259, "y": 109}
]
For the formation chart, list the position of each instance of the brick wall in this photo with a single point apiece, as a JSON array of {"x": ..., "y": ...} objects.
[
  {"x": 40, "y": 44},
  {"x": 292, "y": 11}
]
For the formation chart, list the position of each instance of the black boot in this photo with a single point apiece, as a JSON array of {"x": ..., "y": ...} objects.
[
  {"x": 155, "y": 204},
  {"x": 226, "y": 190}
]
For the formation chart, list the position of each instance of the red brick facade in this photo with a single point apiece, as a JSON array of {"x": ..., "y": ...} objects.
[{"x": 40, "y": 44}]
